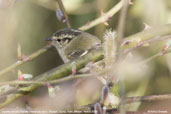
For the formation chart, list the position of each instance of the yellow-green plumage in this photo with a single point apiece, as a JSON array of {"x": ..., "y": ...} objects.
[
  {"x": 81, "y": 43},
  {"x": 72, "y": 43}
]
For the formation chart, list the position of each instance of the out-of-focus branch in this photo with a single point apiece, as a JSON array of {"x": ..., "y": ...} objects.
[
  {"x": 55, "y": 73},
  {"x": 122, "y": 18},
  {"x": 24, "y": 82},
  {"x": 20, "y": 62},
  {"x": 17, "y": 82},
  {"x": 64, "y": 12},
  {"x": 133, "y": 40},
  {"x": 121, "y": 29},
  {"x": 152, "y": 40},
  {"x": 134, "y": 99},
  {"x": 148, "y": 98},
  {"x": 142, "y": 99},
  {"x": 155, "y": 56},
  {"x": 103, "y": 18}
]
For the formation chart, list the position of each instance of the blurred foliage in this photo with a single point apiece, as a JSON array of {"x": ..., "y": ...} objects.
[{"x": 28, "y": 22}]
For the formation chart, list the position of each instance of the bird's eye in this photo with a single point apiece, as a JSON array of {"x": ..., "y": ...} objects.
[{"x": 59, "y": 40}]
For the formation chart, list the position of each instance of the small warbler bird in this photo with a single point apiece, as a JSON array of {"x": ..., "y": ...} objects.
[{"x": 71, "y": 43}]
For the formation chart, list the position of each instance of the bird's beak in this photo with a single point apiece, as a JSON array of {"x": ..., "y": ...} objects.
[{"x": 48, "y": 39}]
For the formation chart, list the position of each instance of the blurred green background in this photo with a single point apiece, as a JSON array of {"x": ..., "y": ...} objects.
[{"x": 28, "y": 22}]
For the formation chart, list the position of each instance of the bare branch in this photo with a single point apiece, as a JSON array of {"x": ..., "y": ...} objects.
[
  {"x": 146, "y": 42},
  {"x": 134, "y": 99},
  {"x": 18, "y": 82},
  {"x": 155, "y": 56},
  {"x": 64, "y": 12},
  {"x": 102, "y": 18},
  {"x": 19, "y": 62},
  {"x": 148, "y": 98},
  {"x": 133, "y": 40}
]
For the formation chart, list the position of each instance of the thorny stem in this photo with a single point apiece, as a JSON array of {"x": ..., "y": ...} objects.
[{"x": 64, "y": 12}]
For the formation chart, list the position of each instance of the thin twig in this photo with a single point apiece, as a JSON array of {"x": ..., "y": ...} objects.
[
  {"x": 146, "y": 42},
  {"x": 19, "y": 62},
  {"x": 64, "y": 12},
  {"x": 72, "y": 77},
  {"x": 102, "y": 18},
  {"x": 147, "y": 34},
  {"x": 17, "y": 82},
  {"x": 134, "y": 99},
  {"x": 150, "y": 58},
  {"x": 148, "y": 98},
  {"x": 155, "y": 56}
]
